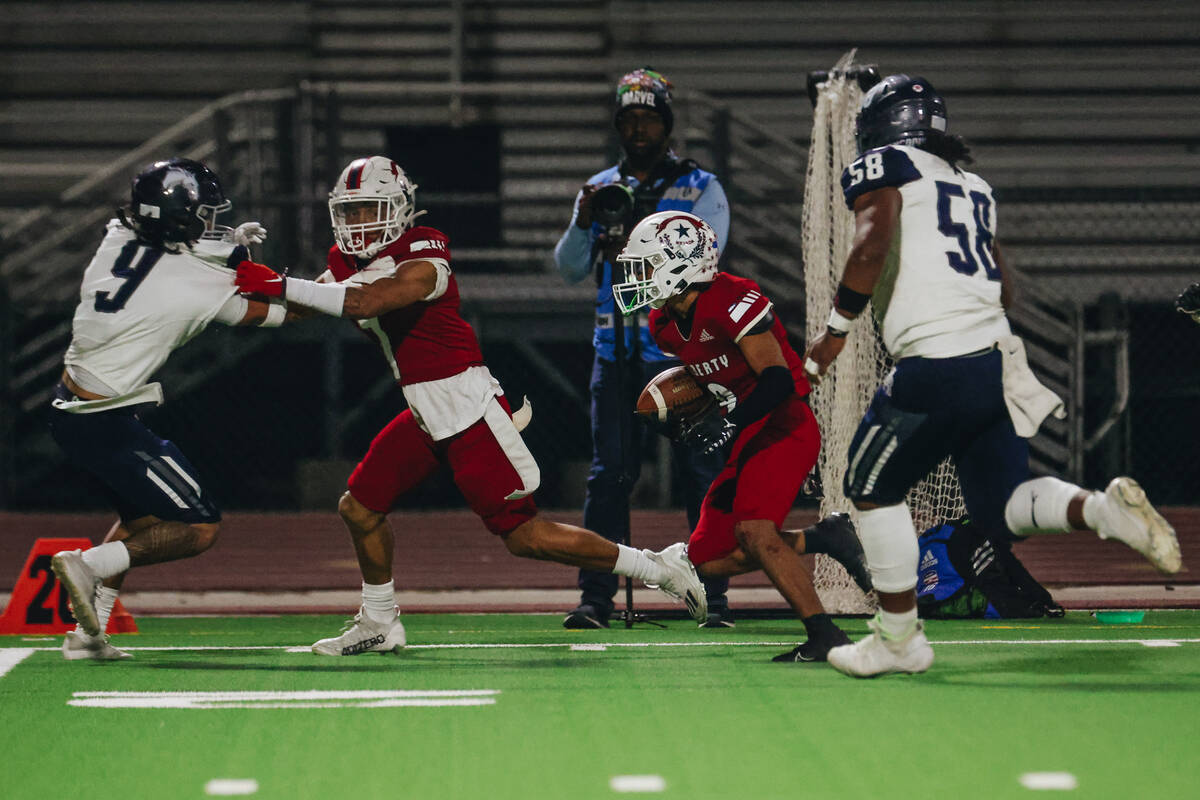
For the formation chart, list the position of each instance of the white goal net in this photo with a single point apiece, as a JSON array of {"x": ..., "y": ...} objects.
[{"x": 844, "y": 394}]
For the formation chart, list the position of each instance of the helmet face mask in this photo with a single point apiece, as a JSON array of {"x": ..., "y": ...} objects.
[
  {"x": 176, "y": 201},
  {"x": 372, "y": 205},
  {"x": 667, "y": 253},
  {"x": 208, "y": 215},
  {"x": 899, "y": 109}
]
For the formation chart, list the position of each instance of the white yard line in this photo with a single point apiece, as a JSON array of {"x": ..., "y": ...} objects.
[
  {"x": 23, "y": 652},
  {"x": 298, "y": 699},
  {"x": 178, "y": 603},
  {"x": 11, "y": 656}
]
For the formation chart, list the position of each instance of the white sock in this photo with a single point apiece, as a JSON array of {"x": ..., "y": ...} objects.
[
  {"x": 897, "y": 625},
  {"x": 105, "y": 599},
  {"x": 1091, "y": 509},
  {"x": 1040, "y": 506},
  {"x": 379, "y": 601},
  {"x": 108, "y": 559},
  {"x": 634, "y": 563}
]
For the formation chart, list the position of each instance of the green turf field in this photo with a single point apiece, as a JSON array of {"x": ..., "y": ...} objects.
[{"x": 509, "y": 706}]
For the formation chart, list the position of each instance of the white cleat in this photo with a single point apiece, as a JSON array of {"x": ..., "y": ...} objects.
[
  {"x": 681, "y": 581},
  {"x": 80, "y": 582},
  {"x": 78, "y": 646},
  {"x": 364, "y": 635},
  {"x": 1127, "y": 516},
  {"x": 876, "y": 655}
]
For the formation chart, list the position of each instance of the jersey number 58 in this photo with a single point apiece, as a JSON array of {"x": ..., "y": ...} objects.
[{"x": 964, "y": 259}]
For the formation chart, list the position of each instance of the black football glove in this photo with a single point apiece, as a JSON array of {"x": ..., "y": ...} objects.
[
  {"x": 1188, "y": 302},
  {"x": 709, "y": 431}
]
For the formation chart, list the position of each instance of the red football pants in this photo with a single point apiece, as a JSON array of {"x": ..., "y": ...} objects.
[
  {"x": 491, "y": 465},
  {"x": 764, "y": 473}
]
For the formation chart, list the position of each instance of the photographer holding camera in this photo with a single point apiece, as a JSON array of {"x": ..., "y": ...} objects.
[{"x": 650, "y": 178}]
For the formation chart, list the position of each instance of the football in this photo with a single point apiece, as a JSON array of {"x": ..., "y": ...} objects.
[{"x": 673, "y": 395}]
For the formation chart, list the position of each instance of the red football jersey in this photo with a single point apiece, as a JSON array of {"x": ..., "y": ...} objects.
[
  {"x": 426, "y": 341},
  {"x": 723, "y": 314}
]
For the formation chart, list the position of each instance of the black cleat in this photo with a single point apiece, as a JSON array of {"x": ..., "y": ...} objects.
[
  {"x": 585, "y": 616},
  {"x": 846, "y": 549},
  {"x": 814, "y": 651},
  {"x": 718, "y": 617}
]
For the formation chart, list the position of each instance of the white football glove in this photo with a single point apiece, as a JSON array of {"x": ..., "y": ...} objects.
[{"x": 249, "y": 233}]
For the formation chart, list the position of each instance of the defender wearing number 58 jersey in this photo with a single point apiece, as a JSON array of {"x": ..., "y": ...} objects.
[{"x": 925, "y": 257}]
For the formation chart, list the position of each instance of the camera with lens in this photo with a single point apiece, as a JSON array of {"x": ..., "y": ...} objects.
[{"x": 612, "y": 209}]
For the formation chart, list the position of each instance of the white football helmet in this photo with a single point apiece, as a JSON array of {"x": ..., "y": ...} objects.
[
  {"x": 666, "y": 253},
  {"x": 371, "y": 206}
]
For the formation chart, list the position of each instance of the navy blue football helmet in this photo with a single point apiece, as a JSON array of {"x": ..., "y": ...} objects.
[
  {"x": 899, "y": 109},
  {"x": 176, "y": 201}
]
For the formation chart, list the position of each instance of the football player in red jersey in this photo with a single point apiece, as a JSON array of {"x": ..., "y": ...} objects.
[
  {"x": 395, "y": 280},
  {"x": 724, "y": 330}
]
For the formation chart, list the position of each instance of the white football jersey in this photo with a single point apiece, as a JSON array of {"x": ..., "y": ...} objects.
[
  {"x": 137, "y": 304},
  {"x": 939, "y": 295}
]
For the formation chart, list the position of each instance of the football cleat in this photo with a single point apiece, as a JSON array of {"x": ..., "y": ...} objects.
[
  {"x": 80, "y": 582},
  {"x": 846, "y": 549},
  {"x": 680, "y": 580},
  {"x": 1127, "y": 516},
  {"x": 814, "y": 650},
  {"x": 877, "y": 655},
  {"x": 364, "y": 635},
  {"x": 585, "y": 616},
  {"x": 718, "y": 617},
  {"x": 78, "y": 646}
]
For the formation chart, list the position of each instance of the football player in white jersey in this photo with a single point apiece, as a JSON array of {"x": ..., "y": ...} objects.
[
  {"x": 925, "y": 256},
  {"x": 163, "y": 273}
]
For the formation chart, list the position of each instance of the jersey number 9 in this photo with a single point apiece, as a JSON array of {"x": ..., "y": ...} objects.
[{"x": 111, "y": 303}]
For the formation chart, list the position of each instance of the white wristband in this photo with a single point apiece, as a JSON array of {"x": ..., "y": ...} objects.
[
  {"x": 328, "y": 298},
  {"x": 275, "y": 315},
  {"x": 838, "y": 322}
]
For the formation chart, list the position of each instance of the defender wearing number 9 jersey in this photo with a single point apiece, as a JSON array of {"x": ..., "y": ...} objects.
[
  {"x": 939, "y": 295},
  {"x": 161, "y": 275}
]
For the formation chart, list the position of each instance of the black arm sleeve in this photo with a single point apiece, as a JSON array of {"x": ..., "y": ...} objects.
[{"x": 775, "y": 384}]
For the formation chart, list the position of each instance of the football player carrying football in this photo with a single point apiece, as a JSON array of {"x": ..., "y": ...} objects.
[
  {"x": 727, "y": 334},
  {"x": 163, "y": 273},
  {"x": 394, "y": 279},
  {"x": 925, "y": 256}
]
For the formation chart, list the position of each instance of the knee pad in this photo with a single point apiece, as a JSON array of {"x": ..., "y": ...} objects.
[
  {"x": 890, "y": 544},
  {"x": 1040, "y": 506}
]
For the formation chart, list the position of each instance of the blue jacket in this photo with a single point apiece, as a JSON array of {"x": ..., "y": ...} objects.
[{"x": 697, "y": 192}]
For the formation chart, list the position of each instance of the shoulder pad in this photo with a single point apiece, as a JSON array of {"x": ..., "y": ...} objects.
[
  {"x": 877, "y": 169},
  {"x": 739, "y": 303},
  {"x": 419, "y": 242}
]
